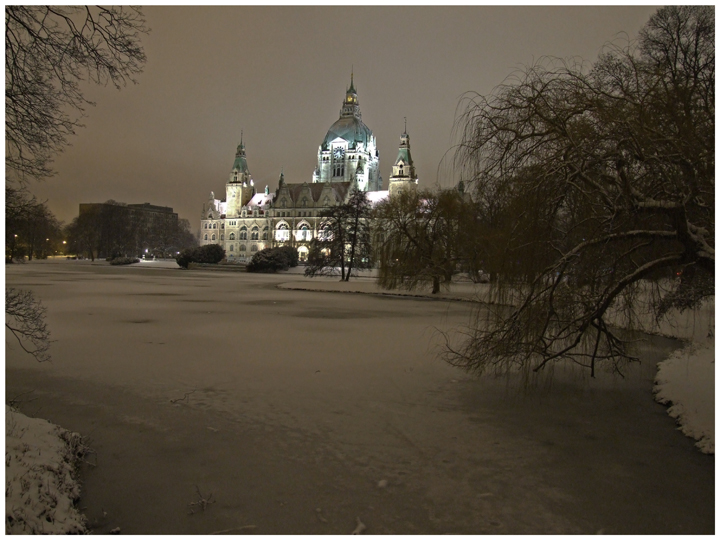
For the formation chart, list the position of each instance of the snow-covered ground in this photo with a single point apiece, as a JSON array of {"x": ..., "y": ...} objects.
[
  {"x": 40, "y": 477},
  {"x": 686, "y": 381},
  {"x": 302, "y": 411}
]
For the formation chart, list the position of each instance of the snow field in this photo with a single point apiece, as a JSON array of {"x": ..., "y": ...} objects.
[{"x": 40, "y": 484}]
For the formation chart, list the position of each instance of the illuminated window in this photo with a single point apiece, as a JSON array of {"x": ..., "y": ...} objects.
[
  {"x": 282, "y": 234},
  {"x": 304, "y": 234}
]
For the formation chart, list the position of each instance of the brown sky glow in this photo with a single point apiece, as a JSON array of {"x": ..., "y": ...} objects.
[{"x": 279, "y": 74}]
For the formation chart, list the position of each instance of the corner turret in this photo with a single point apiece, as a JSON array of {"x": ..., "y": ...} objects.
[
  {"x": 403, "y": 174},
  {"x": 240, "y": 187}
]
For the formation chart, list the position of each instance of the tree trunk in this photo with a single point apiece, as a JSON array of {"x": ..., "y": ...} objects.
[{"x": 436, "y": 285}]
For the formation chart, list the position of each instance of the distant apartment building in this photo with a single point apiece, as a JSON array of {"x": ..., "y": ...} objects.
[{"x": 130, "y": 229}]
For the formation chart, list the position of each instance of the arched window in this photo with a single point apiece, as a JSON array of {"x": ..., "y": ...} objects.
[
  {"x": 206, "y": 225},
  {"x": 254, "y": 233},
  {"x": 232, "y": 236},
  {"x": 214, "y": 225},
  {"x": 222, "y": 237},
  {"x": 242, "y": 247},
  {"x": 213, "y": 237},
  {"x": 304, "y": 234},
  {"x": 206, "y": 237},
  {"x": 243, "y": 233},
  {"x": 253, "y": 248},
  {"x": 232, "y": 248},
  {"x": 265, "y": 232},
  {"x": 304, "y": 201},
  {"x": 282, "y": 234}
]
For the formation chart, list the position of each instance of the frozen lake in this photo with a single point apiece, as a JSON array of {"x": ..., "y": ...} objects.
[{"x": 304, "y": 410}]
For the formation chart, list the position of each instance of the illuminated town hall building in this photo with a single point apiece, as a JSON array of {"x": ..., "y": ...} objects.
[{"x": 246, "y": 221}]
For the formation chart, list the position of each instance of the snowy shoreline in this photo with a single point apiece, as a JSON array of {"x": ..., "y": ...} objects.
[
  {"x": 41, "y": 483},
  {"x": 686, "y": 382}
]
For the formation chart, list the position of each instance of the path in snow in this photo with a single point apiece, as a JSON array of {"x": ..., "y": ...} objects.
[{"x": 306, "y": 410}]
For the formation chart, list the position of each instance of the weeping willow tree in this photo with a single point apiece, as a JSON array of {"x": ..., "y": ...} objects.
[
  {"x": 421, "y": 239},
  {"x": 597, "y": 184}
]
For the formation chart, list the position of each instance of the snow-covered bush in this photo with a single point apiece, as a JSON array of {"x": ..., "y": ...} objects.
[
  {"x": 209, "y": 254},
  {"x": 124, "y": 260},
  {"x": 40, "y": 477},
  {"x": 273, "y": 259}
]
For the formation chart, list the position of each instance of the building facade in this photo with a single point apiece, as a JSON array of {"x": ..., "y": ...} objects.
[
  {"x": 130, "y": 229},
  {"x": 244, "y": 221}
]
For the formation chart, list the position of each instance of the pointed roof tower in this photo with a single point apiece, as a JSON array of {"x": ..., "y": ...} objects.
[
  {"x": 240, "y": 164},
  {"x": 403, "y": 174},
  {"x": 351, "y": 106},
  {"x": 404, "y": 156}
]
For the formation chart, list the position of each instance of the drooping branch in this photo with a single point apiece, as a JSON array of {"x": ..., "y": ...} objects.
[{"x": 25, "y": 318}]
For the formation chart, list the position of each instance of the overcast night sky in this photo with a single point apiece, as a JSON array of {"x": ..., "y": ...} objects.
[{"x": 280, "y": 74}]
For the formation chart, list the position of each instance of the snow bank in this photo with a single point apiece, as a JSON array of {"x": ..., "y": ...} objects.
[
  {"x": 39, "y": 477},
  {"x": 687, "y": 381}
]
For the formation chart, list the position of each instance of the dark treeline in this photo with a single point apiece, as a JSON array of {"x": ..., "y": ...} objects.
[{"x": 31, "y": 229}]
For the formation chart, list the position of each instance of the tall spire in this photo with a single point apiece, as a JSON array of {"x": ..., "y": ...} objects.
[
  {"x": 351, "y": 106},
  {"x": 240, "y": 164}
]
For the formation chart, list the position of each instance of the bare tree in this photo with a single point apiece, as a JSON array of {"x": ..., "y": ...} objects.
[
  {"x": 25, "y": 318},
  {"x": 344, "y": 239},
  {"x": 48, "y": 51},
  {"x": 603, "y": 179}
]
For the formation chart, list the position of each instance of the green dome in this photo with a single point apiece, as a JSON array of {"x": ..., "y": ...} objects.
[{"x": 350, "y": 129}]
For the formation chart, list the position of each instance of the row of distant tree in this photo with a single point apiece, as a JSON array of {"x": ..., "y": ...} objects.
[
  {"x": 415, "y": 239},
  {"x": 108, "y": 230},
  {"x": 31, "y": 229}
]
